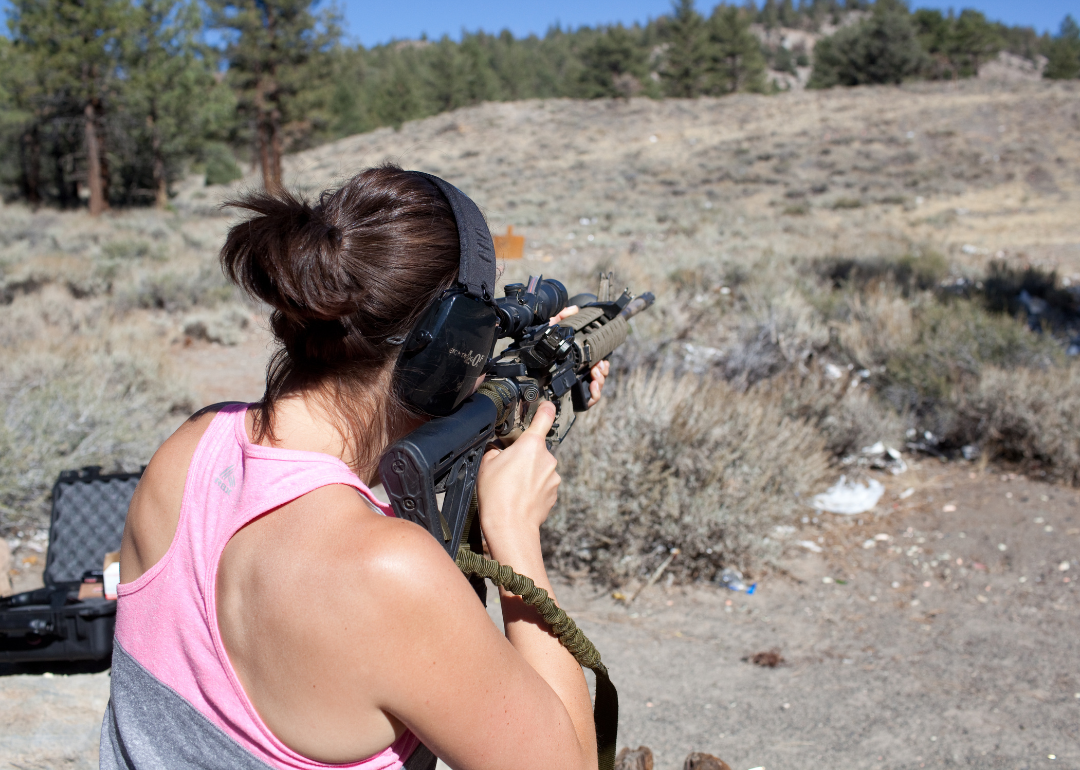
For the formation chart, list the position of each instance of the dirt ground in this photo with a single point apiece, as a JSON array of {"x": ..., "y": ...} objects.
[
  {"x": 940, "y": 630},
  {"x": 954, "y": 639}
]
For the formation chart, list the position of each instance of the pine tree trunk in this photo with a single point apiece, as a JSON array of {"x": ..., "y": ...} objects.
[
  {"x": 263, "y": 139},
  {"x": 31, "y": 165},
  {"x": 270, "y": 150},
  {"x": 94, "y": 171},
  {"x": 277, "y": 147},
  {"x": 161, "y": 184}
]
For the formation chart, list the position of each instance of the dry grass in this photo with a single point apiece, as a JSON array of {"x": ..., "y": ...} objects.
[
  {"x": 74, "y": 406},
  {"x": 88, "y": 309},
  {"x": 680, "y": 462}
]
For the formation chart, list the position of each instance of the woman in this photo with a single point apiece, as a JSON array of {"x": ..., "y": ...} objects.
[{"x": 271, "y": 616}]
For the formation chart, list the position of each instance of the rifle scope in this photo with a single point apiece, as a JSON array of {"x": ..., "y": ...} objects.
[{"x": 529, "y": 305}]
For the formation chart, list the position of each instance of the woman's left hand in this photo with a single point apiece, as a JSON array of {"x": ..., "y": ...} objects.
[{"x": 599, "y": 372}]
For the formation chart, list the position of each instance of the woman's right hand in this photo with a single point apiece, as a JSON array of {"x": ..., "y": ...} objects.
[{"x": 518, "y": 486}]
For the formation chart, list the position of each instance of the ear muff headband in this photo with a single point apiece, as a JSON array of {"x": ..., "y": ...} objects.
[
  {"x": 476, "y": 271},
  {"x": 445, "y": 354}
]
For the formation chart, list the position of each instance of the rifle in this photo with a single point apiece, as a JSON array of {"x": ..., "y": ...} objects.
[{"x": 541, "y": 362}]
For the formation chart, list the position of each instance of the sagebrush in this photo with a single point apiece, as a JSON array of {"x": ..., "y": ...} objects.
[{"x": 680, "y": 462}]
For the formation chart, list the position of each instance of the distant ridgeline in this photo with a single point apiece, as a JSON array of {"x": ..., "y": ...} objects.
[{"x": 106, "y": 102}]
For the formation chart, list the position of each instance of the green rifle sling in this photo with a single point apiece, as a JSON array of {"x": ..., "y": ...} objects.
[{"x": 606, "y": 707}]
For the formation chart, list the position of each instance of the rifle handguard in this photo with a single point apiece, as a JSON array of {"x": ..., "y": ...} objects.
[{"x": 599, "y": 344}]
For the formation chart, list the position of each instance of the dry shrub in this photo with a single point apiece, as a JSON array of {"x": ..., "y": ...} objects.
[
  {"x": 846, "y": 411},
  {"x": 953, "y": 344},
  {"x": 680, "y": 462},
  {"x": 69, "y": 408},
  {"x": 878, "y": 324},
  {"x": 785, "y": 330},
  {"x": 1030, "y": 416}
]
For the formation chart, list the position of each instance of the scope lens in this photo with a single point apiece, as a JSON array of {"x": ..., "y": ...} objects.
[{"x": 551, "y": 298}]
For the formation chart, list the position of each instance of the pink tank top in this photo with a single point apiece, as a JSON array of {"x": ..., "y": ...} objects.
[{"x": 167, "y": 619}]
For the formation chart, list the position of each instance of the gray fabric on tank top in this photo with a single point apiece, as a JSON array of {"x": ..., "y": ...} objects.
[{"x": 148, "y": 725}]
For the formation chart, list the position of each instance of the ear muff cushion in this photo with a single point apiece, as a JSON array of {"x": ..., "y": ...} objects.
[
  {"x": 447, "y": 350},
  {"x": 446, "y": 353}
]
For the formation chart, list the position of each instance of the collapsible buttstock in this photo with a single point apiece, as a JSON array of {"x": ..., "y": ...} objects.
[{"x": 441, "y": 456}]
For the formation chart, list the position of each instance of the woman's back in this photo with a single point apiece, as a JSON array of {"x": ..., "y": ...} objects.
[
  {"x": 173, "y": 676},
  {"x": 270, "y": 612}
]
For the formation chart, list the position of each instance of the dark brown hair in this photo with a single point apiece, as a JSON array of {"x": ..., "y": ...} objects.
[{"x": 347, "y": 278}]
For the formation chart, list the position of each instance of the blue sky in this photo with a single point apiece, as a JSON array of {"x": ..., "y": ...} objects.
[{"x": 377, "y": 21}]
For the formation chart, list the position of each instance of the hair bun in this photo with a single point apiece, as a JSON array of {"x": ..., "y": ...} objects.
[{"x": 288, "y": 255}]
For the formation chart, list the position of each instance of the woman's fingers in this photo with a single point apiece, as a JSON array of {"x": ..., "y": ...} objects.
[
  {"x": 599, "y": 377},
  {"x": 542, "y": 420},
  {"x": 563, "y": 314}
]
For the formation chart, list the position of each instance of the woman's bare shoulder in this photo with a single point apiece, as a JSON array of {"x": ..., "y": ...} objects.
[{"x": 155, "y": 507}]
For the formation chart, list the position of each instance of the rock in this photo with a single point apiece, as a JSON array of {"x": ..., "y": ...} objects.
[
  {"x": 701, "y": 761},
  {"x": 5, "y": 568},
  {"x": 635, "y": 759}
]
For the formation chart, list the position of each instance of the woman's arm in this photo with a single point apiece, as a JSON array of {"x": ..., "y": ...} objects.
[
  {"x": 518, "y": 488},
  {"x": 345, "y": 626}
]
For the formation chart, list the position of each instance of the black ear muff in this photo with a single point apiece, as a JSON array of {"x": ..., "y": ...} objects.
[{"x": 445, "y": 353}]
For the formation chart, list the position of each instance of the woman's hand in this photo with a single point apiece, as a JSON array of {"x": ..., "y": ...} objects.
[
  {"x": 599, "y": 372},
  {"x": 518, "y": 486}
]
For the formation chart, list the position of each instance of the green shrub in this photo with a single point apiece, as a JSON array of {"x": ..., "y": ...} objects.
[
  {"x": 125, "y": 249},
  {"x": 682, "y": 463},
  {"x": 881, "y": 49},
  {"x": 220, "y": 166},
  {"x": 954, "y": 343}
]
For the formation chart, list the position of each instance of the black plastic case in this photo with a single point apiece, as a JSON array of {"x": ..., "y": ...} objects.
[{"x": 88, "y": 513}]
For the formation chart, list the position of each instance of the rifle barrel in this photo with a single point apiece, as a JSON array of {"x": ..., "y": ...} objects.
[{"x": 637, "y": 304}]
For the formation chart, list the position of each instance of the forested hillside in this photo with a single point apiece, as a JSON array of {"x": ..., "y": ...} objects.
[{"x": 107, "y": 102}]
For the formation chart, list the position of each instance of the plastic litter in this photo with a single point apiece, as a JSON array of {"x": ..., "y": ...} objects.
[
  {"x": 882, "y": 457},
  {"x": 810, "y": 545},
  {"x": 731, "y": 578},
  {"x": 849, "y": 498}
]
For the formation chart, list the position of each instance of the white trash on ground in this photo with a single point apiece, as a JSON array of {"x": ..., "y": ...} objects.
[
  {"x": 849, "y": 497},
  {"x": 884, "y": 457},
  {"x": 879, "y": 456}
]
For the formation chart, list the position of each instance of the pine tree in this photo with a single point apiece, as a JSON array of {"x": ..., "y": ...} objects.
[
  {"x": 73, "y": 48},
  {"x": 613, "y": 65},
  {"x": 684, "y": 72},
  {"x": 167, "y": 82},
  {"x": 269, "y": 42},
  {"x": 736, "y": 62},
  {"x": 770, "y": 15},
  {"x": 20, "y": 120},
  {"x": 974, "y": 40},
  {"x": 934, "y": 33},
  {"x": 1064, "y": 52},
  {"x": 881, "y": 49}
]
